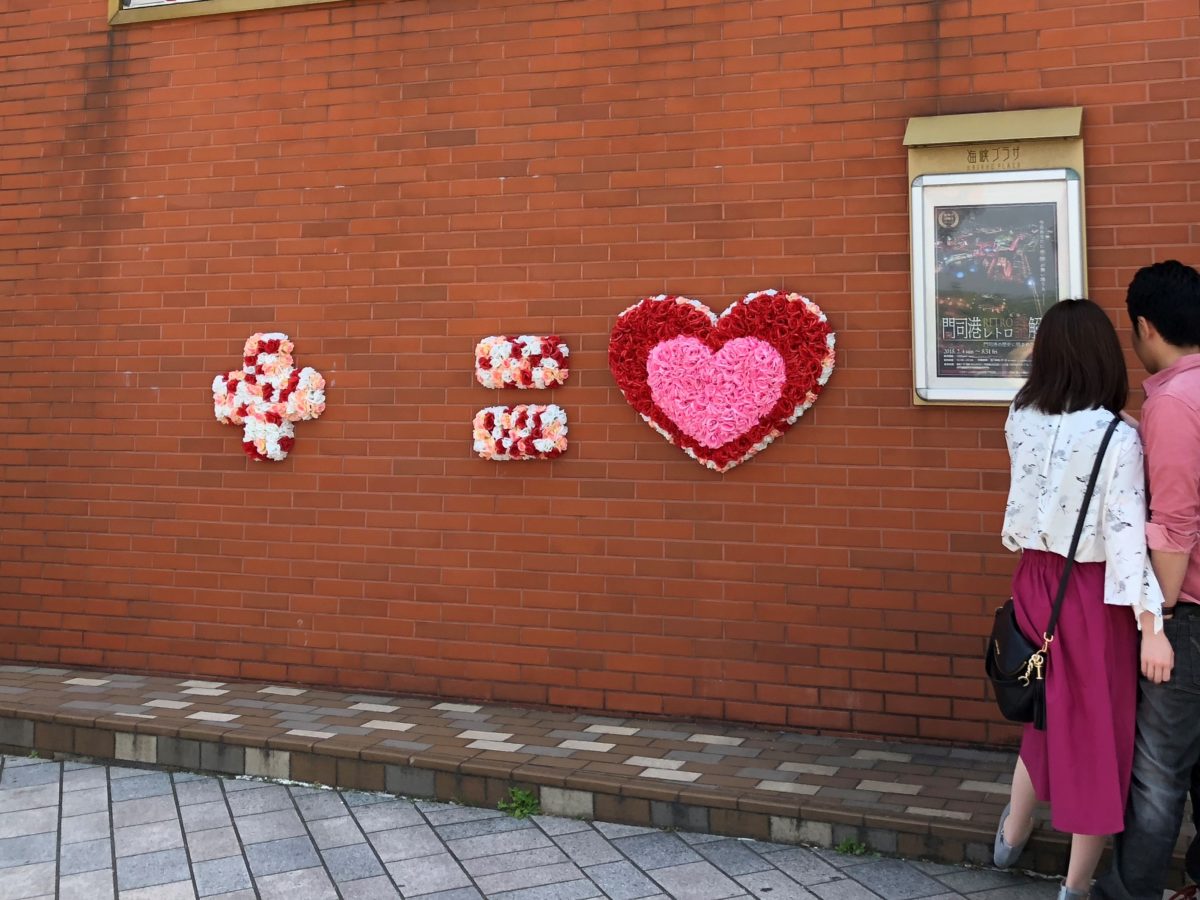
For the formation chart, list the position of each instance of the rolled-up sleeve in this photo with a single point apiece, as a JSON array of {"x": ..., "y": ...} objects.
[
  {"x": 1171, "y": 434},
  {"x": 1128, "y": 577}
]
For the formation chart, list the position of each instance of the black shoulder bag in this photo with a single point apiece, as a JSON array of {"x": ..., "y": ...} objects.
[{"x": 1014, "y": 664}]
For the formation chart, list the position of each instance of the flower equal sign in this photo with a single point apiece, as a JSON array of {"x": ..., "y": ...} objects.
[
  {"x": 520, "y": 432},
  {"x": 526, "y": 361},
  {"x": 523, "y": 362}
]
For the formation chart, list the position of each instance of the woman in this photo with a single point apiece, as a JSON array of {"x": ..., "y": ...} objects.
[{"x": 1081, "y": 763}]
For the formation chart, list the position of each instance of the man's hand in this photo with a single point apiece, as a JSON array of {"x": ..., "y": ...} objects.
[{"x": 1158, "y": 657}]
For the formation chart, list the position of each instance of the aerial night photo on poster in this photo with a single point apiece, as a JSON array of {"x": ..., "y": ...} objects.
[{"x": 997, "y": 274}]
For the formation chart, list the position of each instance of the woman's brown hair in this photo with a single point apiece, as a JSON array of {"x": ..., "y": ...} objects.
[{"x": 1076, "y": 363}]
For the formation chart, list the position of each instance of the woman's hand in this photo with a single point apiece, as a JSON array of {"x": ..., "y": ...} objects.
[{"x": 1158, "y": 657}]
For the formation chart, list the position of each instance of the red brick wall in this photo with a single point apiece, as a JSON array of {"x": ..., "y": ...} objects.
[{"x": 389, "y": 182}]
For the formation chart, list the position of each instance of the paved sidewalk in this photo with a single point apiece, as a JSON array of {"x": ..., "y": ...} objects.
[
  {"x": 76, "y": 830},
  {"x": 910, "y": 800}
]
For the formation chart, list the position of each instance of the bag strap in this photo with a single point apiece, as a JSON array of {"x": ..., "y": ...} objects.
[{"x": 1083, "y": 511}]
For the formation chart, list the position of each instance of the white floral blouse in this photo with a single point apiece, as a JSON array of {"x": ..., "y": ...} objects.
[{"x": 1052, "y": 459}]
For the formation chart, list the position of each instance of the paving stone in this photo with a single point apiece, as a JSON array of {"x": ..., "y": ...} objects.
[
  {"x": 773, "y": 885},
  {"x": 622, "y": 881},
  {"x": 845, "y": 889},
  {"x": 553, "y": 825},
  {"x": 214, "y": 843},
  {"x": 271, "y": 826},
  {"x": 134, "y": 840},
  {"x": 29, "y": 821},
  {"x": 365, "y": 798},
  {"x": 428, "y": 874},
  {"x": 117, "y": 772},
  {"x": 493, "y": 844},
  {"x": 27, "y": 881},
  {"x": 338, "y": 832},
  {"x": 656, "y": 850},
  {"x": 498, "y": 825},
  {"x": 78, "y": 803},
  {"x": 966, "y": 881},
  {"x": 287, "y": 855},
  {"x": 733, "y": 857},
  {"x": 612, "y": 831},
  {"x": 388, "y": 814},
  {"x": 693, "y": 839},
  {"x": 1031, "y": 890},
  {"x": 440, "y": 814},
  {"x": 322, "y": 805},
  {"x": 406, "y": 843},
  {"x": 507, "y": 862},
  {"x": 38, "y": 773},
  {"x": 244, "y": 783},
  {"x": 201, "y": 790},
  {"x": 29, "y": 849},
  {"x": 581, "y": 889},
  {"x": 380, "y": 888},
  {"x": 139, "y": 812},
  {"x": 94, "y": 885},
  {"x": 28, "y": 797},
  {"x": 152, "y": 869},
  {"x": 86, "y": 856},
  {"x": 311, "y": 884},
  {"x": 82, "y": 777},
  {"x": 202, "y": 816},
  {"x": 154, "y": 784},
  {"x": 894, "y": 879},
  {"x": 269, "y": 798},
  {"x": 467, "y": 893},
  {"x": 352, "y": 862},
  {"x": 803, "y": 866},
  {"x": 587, "y": 848},
  {"x": 91, "y": 827},
  {"x": 695, "y": 881},
  {"x": 519, "y": 879},
  {"x": 220, "y": 876}
]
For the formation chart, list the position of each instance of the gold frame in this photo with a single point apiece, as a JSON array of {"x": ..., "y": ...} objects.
[{"x": 119, "y": 16}]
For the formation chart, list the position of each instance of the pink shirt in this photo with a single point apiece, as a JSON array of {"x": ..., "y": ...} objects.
[{"x": 1171, "y": 435}]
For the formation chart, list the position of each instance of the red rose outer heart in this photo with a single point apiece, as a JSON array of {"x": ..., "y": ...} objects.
[{"x": 793, "y": 325}]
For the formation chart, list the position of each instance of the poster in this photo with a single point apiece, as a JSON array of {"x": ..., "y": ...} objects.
[
  {"x": 996, "y": 251},
  {"x": 997, "y": 273}
]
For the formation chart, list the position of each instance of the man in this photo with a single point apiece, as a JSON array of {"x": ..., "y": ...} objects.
[{"x": 1164, "y": 304}]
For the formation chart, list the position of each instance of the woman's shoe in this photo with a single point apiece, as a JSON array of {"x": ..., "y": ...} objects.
[
  {"x": 1065, "y": 893},
  {"x": 1005, "y": 855}
]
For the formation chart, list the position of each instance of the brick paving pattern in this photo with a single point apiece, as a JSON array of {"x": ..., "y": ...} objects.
[
  {"x": 931, "y": 802},
  {"x": 77, "y": 830}
]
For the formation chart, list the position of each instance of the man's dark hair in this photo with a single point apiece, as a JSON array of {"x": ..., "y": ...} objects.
[
  {"x": 1077, "y": 362},
  {"x": 1167, "y": 295}
]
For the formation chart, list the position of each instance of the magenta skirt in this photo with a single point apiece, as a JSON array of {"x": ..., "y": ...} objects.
[{"x": 1080, "y": 764}]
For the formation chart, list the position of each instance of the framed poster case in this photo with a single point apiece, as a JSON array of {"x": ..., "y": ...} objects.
[
  {"x": 997, "y": 237},
  {"x": 991, "y": 252}
]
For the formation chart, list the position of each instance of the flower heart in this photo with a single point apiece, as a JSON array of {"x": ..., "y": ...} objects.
[{"x": 722, "y": 387}]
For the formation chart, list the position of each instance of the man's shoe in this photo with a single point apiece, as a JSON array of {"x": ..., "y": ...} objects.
[
  {"x": 1065, "y": 893},
  {"x": 1004, "y": 854}
]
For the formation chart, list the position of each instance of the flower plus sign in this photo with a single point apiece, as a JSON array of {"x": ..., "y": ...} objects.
[{"x": 267, "y": 395}]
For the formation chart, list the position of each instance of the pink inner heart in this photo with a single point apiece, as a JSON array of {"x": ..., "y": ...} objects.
[{"x": 715, "y": 397}]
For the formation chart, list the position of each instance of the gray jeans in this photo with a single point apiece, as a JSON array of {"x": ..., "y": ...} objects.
[{"x": 1165, "y": 762}]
